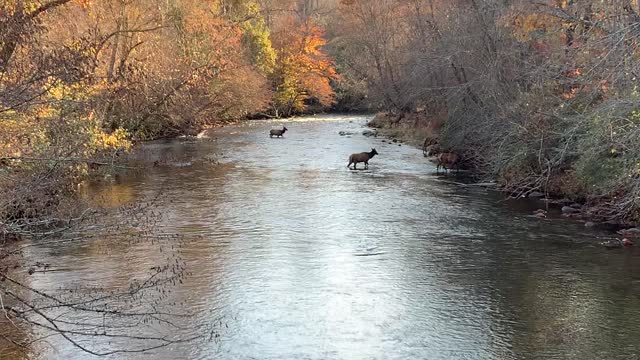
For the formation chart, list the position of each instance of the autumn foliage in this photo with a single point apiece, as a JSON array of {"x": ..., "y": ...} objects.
[
  {"x": 81, "y": 80},
  {"x": 303, "y": 70}
]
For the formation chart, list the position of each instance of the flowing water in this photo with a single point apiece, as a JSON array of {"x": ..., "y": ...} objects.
[{"x": 301, "y": 258}]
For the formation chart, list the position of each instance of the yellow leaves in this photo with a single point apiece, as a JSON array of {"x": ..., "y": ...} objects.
[
  {"x": 99, "y": 140},
  {"x": 57, "y": 90},
  {"x": 19, "y": 134},
  {"x": 30, "y": 7},
  {"x": 44, "y": 112},
  {"x": 84, "y": 3},
  {"x": 119, "y": 139},
  {"x": 38, "y": 134}
]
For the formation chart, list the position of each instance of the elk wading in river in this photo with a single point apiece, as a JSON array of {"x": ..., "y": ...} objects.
[
  {"x": 277, "y": 132},
  {"x": 447, "y": 161},
  {"x": 361, "y": 157}
]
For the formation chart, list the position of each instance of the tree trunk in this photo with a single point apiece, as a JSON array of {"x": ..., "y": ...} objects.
[
  {"x": 116, "y": 42},
  {"x": 14, "y": 31}
]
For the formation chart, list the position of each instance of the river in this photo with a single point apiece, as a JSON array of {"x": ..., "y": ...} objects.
[{"x": 301, "y": 258}]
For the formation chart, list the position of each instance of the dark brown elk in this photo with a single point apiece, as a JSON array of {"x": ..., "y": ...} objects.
[
  {"x": 277, "y": 132},
  {"x": 447, "y": 161},
  {"x": 361, "y": 157}
]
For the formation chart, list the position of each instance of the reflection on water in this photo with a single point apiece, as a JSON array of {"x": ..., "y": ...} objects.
[{"x": 303, "y": 259}]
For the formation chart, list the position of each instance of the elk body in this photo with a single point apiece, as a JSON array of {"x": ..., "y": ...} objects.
[
  {"x": 447, "y": 161},
  {"x": 361, "y": 157},
  {"x": 277, "y": 132}
]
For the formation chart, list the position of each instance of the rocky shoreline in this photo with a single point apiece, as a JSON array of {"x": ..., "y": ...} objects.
[{"x": 419, "y": 133}]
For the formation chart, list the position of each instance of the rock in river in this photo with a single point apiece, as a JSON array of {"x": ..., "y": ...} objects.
[
  {"x": 535, "y": 194},
  {"x": 569, "y": 210},
  {"x": 612, "y": 244}
]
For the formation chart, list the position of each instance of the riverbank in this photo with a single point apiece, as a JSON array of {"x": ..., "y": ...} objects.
[{"x": 561, "y": 191}]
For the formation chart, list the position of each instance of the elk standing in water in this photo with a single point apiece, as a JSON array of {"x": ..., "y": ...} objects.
[
  {"x": 447, "y": 161},
  {"x": 277, "y": 132},
  {"x": 361, "y": 157}
]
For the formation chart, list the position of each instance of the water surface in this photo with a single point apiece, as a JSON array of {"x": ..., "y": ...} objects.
[{"x": 301, "y": 258}]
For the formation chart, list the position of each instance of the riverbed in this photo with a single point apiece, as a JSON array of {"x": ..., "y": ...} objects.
[{"x": 298, "y": 257}]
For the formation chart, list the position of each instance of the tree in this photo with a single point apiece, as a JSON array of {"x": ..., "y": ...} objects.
[{"x": 303, "y": 70}]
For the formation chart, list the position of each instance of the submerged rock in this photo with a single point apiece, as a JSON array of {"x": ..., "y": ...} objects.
[
  {"x": 569, "y": 210},
  {"x": 204, "y": 134},
  {"x": 535, "y": 194},
  {"x": 344, "y": 133},
  {"x": 540, "y": 214},
  {"x": 612, "y": 244},
  {"x": 369, "y": 132},
  {"x": 589, "y": 224},
  {"x": 617, "y": 243}
]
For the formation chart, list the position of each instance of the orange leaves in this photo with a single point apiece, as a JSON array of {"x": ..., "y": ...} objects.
[
  {"x": 574, "y": 73},
  {"x": 313, "y": 40},
  {"x": 304, "y": 70},
  {"x": 571, "y": 94},
  {"x": 211, "y": 40}
]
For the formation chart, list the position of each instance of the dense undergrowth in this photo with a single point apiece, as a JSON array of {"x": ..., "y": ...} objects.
[{"x": 542, "y": 96}]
